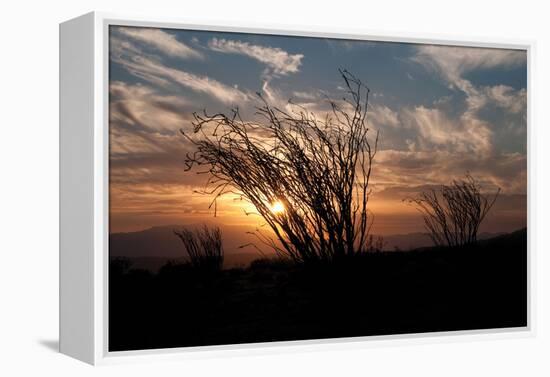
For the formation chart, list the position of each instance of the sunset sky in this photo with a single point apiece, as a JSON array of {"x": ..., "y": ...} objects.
[{"x": 441, "y": 112}]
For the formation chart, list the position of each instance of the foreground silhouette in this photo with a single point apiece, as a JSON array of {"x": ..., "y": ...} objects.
[
  {"x": 453, "y": 213},
  {"x": 204, "y": 247},
  {"x": 482, "y": 286},
  {"x": 314, "y": 168}
]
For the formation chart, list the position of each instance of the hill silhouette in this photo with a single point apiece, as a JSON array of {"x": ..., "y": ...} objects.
[
  {"x": 151, "y": 248},
  {"x": 423, "y": 290}
]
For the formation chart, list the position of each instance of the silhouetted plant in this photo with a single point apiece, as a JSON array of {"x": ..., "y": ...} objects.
[
  {"x": 375, "y": 244},
  {"x": 307, "y": 176},
  {"x": 453, "y": 213},
  {"x": 204, "y": 247}
]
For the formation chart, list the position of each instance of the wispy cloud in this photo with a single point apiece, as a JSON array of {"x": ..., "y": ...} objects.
[
  {"x": 146, "y": 147},
  {"x": 442, "y": 144},
  {"x": 434, "y": 130},
  {"x": 453, "y": 62},
  {"x": 467, "y": 132},
  {"x": 151, "y": 69},
  {"x": 506, "y": 97},
  {"x": 142, "y": 106},
  {"x": 423, "y": 140},
  {"x": 415, "y": 168},
  {"x": 278, "y": 60},
  {"x": 310, "y": 96},
  {"x": 162, "y": 41},
  {"x": 421, "y": 128},
  {"x": 382, "y": 116},
  {"x": 348, "y": 45}
]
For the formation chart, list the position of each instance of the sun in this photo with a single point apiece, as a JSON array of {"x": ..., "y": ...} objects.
[{"x": 277, "y": 207}]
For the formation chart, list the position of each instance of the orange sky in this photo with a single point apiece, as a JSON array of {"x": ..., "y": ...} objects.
[{"x": 441, "y": 111}]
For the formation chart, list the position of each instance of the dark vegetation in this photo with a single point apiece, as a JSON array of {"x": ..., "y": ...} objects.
[
  {"x": 453, "y": 213},
  {"x": 204, "y": 248},
  {"x": 318, "y": 169},
  {"x": 480, "y": 286}
]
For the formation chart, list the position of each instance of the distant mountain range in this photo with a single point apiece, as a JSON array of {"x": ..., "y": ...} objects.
[
  {"x": 151, "y": 248},
  {"x": 158, "y": 244}
]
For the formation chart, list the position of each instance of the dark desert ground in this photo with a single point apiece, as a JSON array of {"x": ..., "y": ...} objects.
[{"x": 417, "y": 291}]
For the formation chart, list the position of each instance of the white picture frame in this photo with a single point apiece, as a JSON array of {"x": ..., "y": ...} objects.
[{"x": 84, "y": 200}]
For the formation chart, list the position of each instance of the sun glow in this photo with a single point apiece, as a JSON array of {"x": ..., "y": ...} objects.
[{"x": 277, "y": 207}]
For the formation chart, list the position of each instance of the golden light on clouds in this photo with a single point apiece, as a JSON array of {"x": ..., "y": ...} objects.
[{"x": 424, "y": 142}]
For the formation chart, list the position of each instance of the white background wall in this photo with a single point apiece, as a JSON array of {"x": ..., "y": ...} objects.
[{"x": 29, "y": 186}]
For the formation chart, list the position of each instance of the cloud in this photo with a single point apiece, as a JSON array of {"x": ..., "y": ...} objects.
[
  {"x": 348, "y": 44},
  {"x": 382, "y": 116},
  {"x": 442, "y": 100},
  {"x": 278, "y": 60},
  {"x": 441, "y": 143},
  {"x": 150, "y": 69},
  {"x": 310, "y": 96},
  {"x": 144, "y": 109},
  {"x": 506, "y": 97},
  {"x": 435, "y": 129},
  {"x": 161, "y": 41},
  {"x": 432, "y": 167},
  {"x": 467, "y": 132},
  {"x": 420, "y": 128},
  {"x": 143, "y": 121},
  {"x": 422, "y": 144},
  {"x": 147, "y": 151},
  {"x": 453, "y": 62},
  {"x": 278, "y": 63}
]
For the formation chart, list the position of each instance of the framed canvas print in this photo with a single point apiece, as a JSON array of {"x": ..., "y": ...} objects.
[{"x": 223, "y": 186}]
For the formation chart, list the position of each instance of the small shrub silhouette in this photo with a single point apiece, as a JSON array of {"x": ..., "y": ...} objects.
[
  {"x": 375, "y": 244},
  {"x": 204, "y": 247},
  {"x": 453, "y": 213}
]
